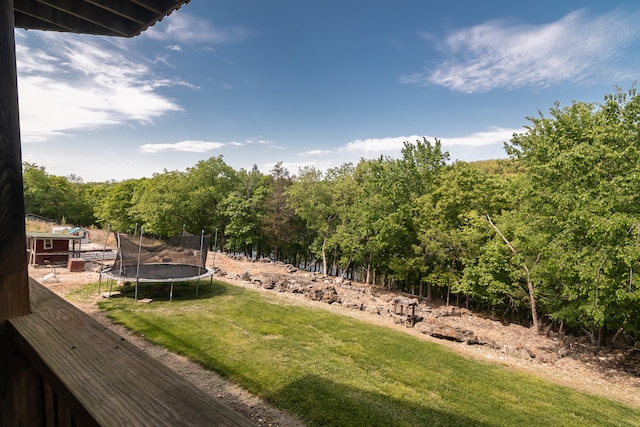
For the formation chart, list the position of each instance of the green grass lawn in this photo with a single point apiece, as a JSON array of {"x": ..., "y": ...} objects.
[{"x": 332, "y": 370}]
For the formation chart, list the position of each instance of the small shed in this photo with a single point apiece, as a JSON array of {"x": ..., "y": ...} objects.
[
  {"x": 80, "y": 232},
  {"x": 73, "y": 231},
  {"x": 52, "y": 248}
]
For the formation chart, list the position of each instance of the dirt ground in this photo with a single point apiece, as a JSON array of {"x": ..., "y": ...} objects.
[{"x": 612, "y": 373}]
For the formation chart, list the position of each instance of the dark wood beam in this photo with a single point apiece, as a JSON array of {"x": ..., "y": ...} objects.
[
  {"x": 126, "y": 9},
  {"x": 14, "y": 278},
  {"x": 122, "y": 18},
  {"x": 16, "y": 375},
  {"x": 81, "y": 20},
  {"x": 95, "y": 15}
]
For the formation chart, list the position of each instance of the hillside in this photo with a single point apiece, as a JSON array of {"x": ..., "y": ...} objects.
[{"x": 612, "y": 373}]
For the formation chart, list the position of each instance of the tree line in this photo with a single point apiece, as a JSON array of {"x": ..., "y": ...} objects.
[{"x": 549, "y": 237}]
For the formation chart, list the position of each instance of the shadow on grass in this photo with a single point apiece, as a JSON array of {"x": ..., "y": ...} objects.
[
  {"x": 182, "y": 291},
  {"x": 322, "y": 402}
]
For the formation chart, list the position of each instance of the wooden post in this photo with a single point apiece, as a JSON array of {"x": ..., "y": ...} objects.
[
  {"x": 19, "y": 402},
  {"x": 14, "y": 278}
]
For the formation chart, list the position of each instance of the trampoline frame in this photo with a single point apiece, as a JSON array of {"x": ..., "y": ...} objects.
[
  {"x": 110, "y": 274},
  {"x": 113, "y": 272}
]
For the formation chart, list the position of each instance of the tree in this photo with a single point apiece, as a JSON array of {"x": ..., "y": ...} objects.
[
  {"x": 206, "y": 186},
  {"x": 418, "y": 173},
  {"x": 115, "y": 207},
  {"x": 245, "y": 209},
  {"x": 55, "y": 197},
  {"x": 279, "y": 221},
  {"x": 449, "y": 227},
  {"x": 309, "y": 196},
  {"x": 581, "y": 190},
  {"x": 159, "y": 203}
]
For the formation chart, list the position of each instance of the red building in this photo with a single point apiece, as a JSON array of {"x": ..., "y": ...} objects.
[{"x": 51, "y": 248}]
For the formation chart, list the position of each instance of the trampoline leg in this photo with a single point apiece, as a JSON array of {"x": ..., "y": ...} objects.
[
  {"x": 110, "y": 287},
  {"x": 197, "y": 287},
  {"x": 171, "y": 292}
]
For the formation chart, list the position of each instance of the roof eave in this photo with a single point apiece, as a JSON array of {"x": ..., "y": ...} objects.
[{"x": 123, "y": 18}]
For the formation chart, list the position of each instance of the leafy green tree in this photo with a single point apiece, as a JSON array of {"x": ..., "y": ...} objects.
[
  {"x": 346, "y": 240},
  {"x": 446, "y": 219},
  {"x": 309, "y": 196},
  {"x": 245, "y": 209},
  {"x": 205, "y": 187},
  {"x": 279, "y": 223},
  {"x": 414, "y": 176},
  {"x": 55, "y": 197},
  {"x": 115, "y": 206},
  {"x": 159, "y": 203},
  {"x": 581, "y": 191}
]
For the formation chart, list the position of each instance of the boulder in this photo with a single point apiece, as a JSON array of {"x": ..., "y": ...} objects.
[
  {"x": 313, "y": 293},
  {"x": 352, "y": 304}
]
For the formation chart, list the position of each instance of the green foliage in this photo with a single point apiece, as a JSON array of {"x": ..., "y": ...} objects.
[
  {"x": 56, "y": 197},
  {"x": 115, "y": 207},
  {"x": 563, "y": 241},
  {"x": 244, "y": 209},
  {"x": 280, "y": 224},
  {"x": 581, "y": 192}
]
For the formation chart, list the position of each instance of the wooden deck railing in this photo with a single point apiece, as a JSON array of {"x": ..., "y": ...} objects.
[{"x": 84, "y": 374}]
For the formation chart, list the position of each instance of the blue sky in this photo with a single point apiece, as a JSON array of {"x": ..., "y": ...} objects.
[{"x": 313, "y": 82}]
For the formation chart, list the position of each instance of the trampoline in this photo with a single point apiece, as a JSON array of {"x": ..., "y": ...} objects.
[{"x": 180, "y": 258}]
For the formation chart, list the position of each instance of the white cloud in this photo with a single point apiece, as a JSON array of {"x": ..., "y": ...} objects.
[
  {"x": 496, "y": 54},
  {"x": 313, "y": 153},
  {"x": 495, "y": 135},
  {"x": 83, "y": 83},
  {"x": 196, "y": 146},
  {"x": 490, "y": 142},
  {"x": 377, "y": 146},
  {"x": 185, "y": 146},
  {"x": 183, "y": 27}
]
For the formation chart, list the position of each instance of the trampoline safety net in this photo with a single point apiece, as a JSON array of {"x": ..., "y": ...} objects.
[{"x": 185, "y": 251}]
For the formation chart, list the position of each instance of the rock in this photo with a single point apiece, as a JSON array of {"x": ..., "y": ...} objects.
[
  {"x": 373, "y": 309},
  {"x": 330, "y": 295},
  {"x": 524, "y": 353},
  {"x": 520, "y": 352},
  {"x": 111, "y": 294},
  {"x": 281, "y": 285},
  {"x": 246, "y": 276},
  {"x": 451, "y": 334},
  {"x": 446, "y": 311},
  {"x": 296, "y": 289},
  {"x": 269, "y": 284},
  {"x": 431, "y": 321},
  {"x": 314, "y": 294},
  {"x": 352, "y": 305},
  {"x": 424, "y": 328},
  {"x": 485, "y": 341}
]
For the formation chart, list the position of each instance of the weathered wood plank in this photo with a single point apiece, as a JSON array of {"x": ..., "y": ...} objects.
[{"x": 107, "y": 380}]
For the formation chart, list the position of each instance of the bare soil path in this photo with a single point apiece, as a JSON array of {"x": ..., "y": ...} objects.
[{"x": 612, "y": 373}]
